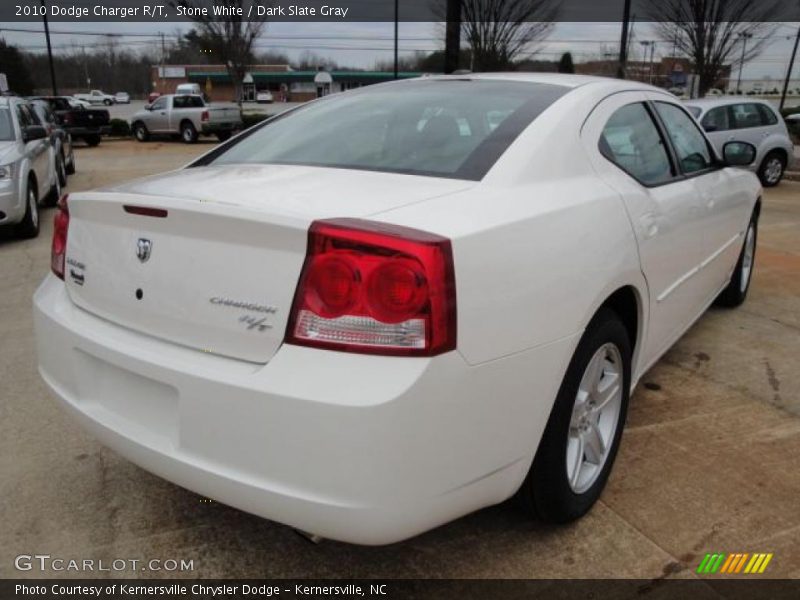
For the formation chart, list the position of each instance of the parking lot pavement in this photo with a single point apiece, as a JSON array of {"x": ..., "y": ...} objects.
[{"x": 708, "y": 461}]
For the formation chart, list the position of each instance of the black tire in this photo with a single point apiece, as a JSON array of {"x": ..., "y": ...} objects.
[
  {"x": 29, "y": 226},
  {"x": 771, "y": 169},
  {"x": 107, "y": 102},
  {"x": 140, "y": 132},
  {"x": 61, "y": 170},
  {"x": 70, "y": 166},
  {"x": 188, "y": 132},
  {"x": 547, "y": 492},
  {"x": 224, "y": 136},
  {"x": 736, "y": 291},
  {"x": 92, "y": 140}
]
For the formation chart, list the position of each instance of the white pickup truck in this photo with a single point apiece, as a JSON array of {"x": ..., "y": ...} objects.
[
  {"x": 97, "y": 97},
  {"x": 186, "y": 115}
]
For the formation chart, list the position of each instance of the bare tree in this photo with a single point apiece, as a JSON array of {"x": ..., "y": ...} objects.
[
  {"x": 498, "y": 31},
  {"x": 229, "y": 37},
  {"x": 715, "y": 33}
]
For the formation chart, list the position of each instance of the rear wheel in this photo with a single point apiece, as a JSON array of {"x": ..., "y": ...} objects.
[
  {"x": 61, "y": 170},
  {"x": 140, "y": 132},
  {"x": 582, "y": 436},
  {"x": 771, "y": 170},
  {"x": 188, "y": 132},
  {"x": 70, "y": 167},
  {"x": 107, "y": 102},
  {"x": 55, "y": 190},
  {"x": 92, "y": 140},
  {"x": 224, "y": 136},
  {"x": 29, "y": 226},
  {"x": 736, "y": 292}
]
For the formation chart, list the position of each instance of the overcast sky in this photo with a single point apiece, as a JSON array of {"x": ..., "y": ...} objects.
[{"x": 363, "y": 44}]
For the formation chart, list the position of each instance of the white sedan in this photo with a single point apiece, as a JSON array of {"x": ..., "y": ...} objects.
[{"x": 394, "y": 306}]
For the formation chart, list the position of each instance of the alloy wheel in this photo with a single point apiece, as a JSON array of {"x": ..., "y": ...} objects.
[
  {"x": 747, "y": 258},
  {"x": 595, "y": 415}
]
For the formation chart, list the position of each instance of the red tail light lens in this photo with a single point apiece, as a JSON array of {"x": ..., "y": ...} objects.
[
  {"x": 204, "y": 116},
  {"x": 58, "y": 249},
  {"x": 375, "y": 288}
]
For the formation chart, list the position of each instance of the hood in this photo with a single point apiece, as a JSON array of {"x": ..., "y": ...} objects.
[{"x": 298, "y": 191}]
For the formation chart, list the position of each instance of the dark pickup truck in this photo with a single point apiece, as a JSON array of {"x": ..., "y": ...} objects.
[{"x": 84, "y": 123}]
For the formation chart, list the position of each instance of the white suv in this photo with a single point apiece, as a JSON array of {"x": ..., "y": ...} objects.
[{"x": 733, "y": 118}]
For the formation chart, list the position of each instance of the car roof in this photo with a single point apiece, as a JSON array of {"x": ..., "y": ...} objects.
[
  {"x": 562, "y": 79},
  {"x": 711, "y": 102}
]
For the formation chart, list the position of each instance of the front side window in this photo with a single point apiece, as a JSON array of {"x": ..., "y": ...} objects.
[
  {"x": 746, "y": 115},
  {"x": 690, "y": 144},
  {"x": 445, "y": 128},
  {"x": 631, "y": 141},
  {"x": 717, "y": 119},
  {"x": 6, "y": 126},
  {"x": 159, "y": 104}
]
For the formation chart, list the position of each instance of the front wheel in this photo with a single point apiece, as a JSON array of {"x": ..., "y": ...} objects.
[
  {"x": 29, "y": 226},
  {"x": 61, "y": 170},
  {"x": 582, "y": 436},
  {"x": 107, "y": 102},
  {"x": 736, "y": 292},
  {"x": 140, "y": 132},
  {"x": 92, "y": 140}
]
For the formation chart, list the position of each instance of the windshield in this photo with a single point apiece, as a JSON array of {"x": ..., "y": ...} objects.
[
  {"x": 446, "y": 128},
  {"x": 6, "y": 126}
]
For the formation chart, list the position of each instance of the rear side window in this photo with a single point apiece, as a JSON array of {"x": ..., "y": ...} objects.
[
  {"x": 717, "y": 119},
  {"x": 631, "y": 141},
  {"x": 690, "y": 144},
  {"x": 768, "y": 117},
  {"x": 746, "y": 115}
]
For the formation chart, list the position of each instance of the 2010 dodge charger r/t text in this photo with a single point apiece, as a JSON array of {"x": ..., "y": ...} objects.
[{"x": 391, "y": 307}]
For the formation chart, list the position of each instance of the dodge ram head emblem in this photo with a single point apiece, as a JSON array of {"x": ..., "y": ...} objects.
[{"x": 143, "y": 248}]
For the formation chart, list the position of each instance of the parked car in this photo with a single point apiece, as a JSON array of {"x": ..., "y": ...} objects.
[
  {"x": 364, "y": 328},
  {"x": 188, "y": 89},
  {"x": 97, "y": 97},
  {"x": 75, "y": 103},
  {"x": 188, "y": 116},
  {"x": 756, "y": 121},
  {"x": 59, "y": 138},
  {"x": 264, "y": 97},
  {"x": 27, "y": 167},
  {"x": 122, "y": 98},
  {"x": 86, "y": 124}
]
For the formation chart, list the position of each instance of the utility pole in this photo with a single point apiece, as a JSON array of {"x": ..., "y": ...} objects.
[
  {"x": 396, "y": 21},
  {"x": 623, "y": 42},
  {"x": 645, "y": 45},
  {"x": 745, "y": 37},
  {"x": 452, "y": 45},
  {"x": 789, "y": 70},
  {"x": 49, "y": 50}
]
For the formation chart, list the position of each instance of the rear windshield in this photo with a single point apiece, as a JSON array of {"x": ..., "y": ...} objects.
[
  {"x": 6, "y": 125},
  {"x": 187, "y": 102},
  {"x": 444, "y": 128}
]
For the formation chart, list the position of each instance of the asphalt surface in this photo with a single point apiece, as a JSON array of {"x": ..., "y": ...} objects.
[{"x": 708, "y": 461}]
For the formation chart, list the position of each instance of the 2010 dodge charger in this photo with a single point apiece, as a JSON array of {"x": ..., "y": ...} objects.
[{"x": 394, "y": 306}]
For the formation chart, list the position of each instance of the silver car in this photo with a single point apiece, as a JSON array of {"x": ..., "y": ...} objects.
[
  {"x": 28, "y": 173},
  {"x": 730, "y": 118}
]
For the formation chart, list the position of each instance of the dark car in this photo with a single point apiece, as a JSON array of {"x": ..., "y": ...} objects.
[
  {"x": 87, "y": 124},
  {"x": 60, "y": 139}
]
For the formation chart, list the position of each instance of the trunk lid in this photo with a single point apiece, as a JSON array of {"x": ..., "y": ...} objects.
[{"x": 218, "y": 272}]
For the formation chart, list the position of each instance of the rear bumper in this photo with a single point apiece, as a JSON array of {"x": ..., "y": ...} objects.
[
  {"x": 363, "y": 449},
  {"x": 212, "y": 128}
]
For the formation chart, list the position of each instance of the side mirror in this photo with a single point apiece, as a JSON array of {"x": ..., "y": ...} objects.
[
  {"x": 148, "y": 107},
  {"x": 33, "y": 132},
  {"x": 738, "y": 154}
]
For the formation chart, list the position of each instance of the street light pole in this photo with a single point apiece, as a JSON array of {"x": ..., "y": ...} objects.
[
  {"x": 745, "y": 36},
  {"x": 49, "y": 49},
  {"x": 789, "y": 70},
  {"x": 396, "y": 20}
]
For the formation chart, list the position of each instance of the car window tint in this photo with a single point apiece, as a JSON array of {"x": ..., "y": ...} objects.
[
  {"x": 23, "y": 116},
  {"x": 687, "y": 139},
  {"x": 159, "y": 104},
  {"x": 746, "y": 115},
  {"x": 631, "y": 141},
  {"x": 768, "y": 116},
  {"x": 717, "y": 119}
]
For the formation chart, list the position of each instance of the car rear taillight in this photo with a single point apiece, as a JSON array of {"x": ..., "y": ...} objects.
[
  {"x": 204, "y": 116},
  {"x": 58, "y": 249},
  {"x": 375, "y": 288},
  {"x": 67, "y": 119}
]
